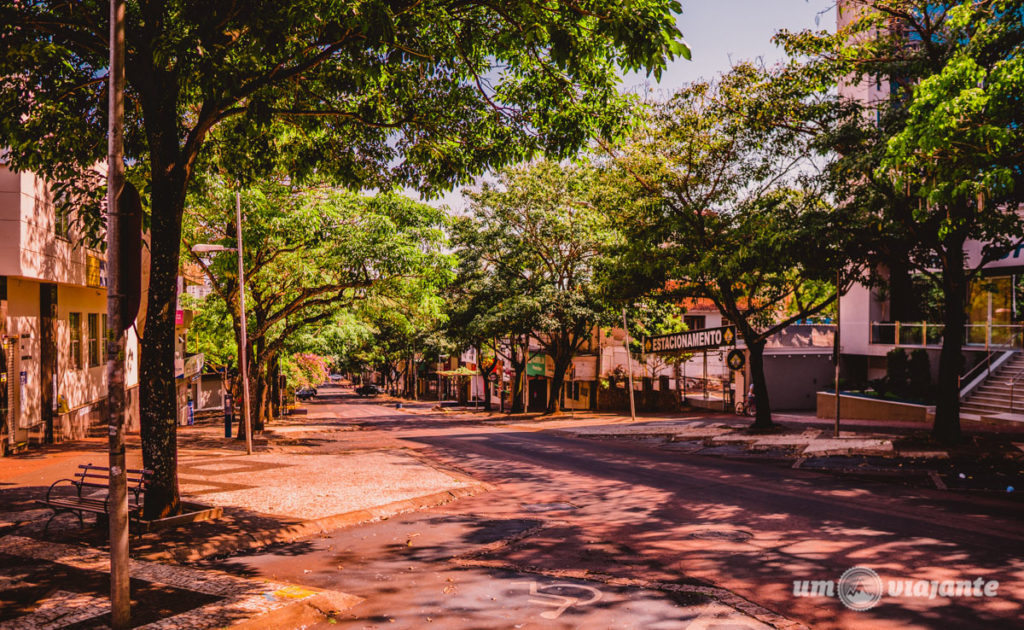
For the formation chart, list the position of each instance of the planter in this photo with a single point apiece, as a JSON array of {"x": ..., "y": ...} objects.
[
  {"x": 192, "y": 513},
  {"x": 864, "y": 408}
]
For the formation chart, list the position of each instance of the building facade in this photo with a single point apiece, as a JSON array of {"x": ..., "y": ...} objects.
[{"x": 53, "y": 304}]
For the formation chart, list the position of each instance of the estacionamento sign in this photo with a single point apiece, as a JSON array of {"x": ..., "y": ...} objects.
[{"x": 703, "y": 339}]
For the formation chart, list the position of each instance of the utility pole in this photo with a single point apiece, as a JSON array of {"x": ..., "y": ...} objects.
[
  {"x": 629, "y": 365},
  {"x": 243, "y": 365},
  {"x": 835, "y": 358},
  {"x": 120, "y": 598}
]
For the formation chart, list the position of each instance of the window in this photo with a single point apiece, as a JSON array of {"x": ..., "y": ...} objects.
[
  {"x": 694, "y": 322},
  {"x": 62, "y": 225},
  {"x": 75, "y": 328},
  {"x": 94, "y": 339}
]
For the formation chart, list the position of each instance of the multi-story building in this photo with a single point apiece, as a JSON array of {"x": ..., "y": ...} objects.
[
  {"x": 905, "y": 314},
  {"x": 53, "y": 304}
]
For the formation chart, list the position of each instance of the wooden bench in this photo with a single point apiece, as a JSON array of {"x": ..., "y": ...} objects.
[{"x": 96, "y": 478}]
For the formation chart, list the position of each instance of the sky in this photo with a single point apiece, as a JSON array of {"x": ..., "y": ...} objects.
[{"x": 721, "y": 33}]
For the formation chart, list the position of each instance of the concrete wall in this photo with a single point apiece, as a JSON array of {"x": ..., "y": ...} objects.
[
  {"x": 859, "y": 408},
  {"x": 30, "y": 248}
]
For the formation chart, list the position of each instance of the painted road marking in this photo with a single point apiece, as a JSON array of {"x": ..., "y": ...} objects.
[{"x": 561, "y": 603}]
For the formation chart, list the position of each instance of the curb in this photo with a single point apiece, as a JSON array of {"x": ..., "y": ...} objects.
[{"x": 255, "y": 540}]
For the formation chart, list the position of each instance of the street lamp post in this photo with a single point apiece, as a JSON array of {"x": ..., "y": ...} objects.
[{"x": 243, "y": 365}]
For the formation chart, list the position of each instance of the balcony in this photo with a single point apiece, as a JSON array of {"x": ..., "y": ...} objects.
[{"x": 928, "y": 334}]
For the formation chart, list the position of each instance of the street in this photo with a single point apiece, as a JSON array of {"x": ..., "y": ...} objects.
[{"x": 614, "y": 533}]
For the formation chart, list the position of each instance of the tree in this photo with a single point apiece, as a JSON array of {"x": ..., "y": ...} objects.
[
  {"x": 934, "y": 162},
  {"x": 399, "y": 323},
  {"x": 367, "y": 93},
  {"x": 541, "y": 236},
  {"x": 718, "y": 197},
  {"x": 309, "y": 252},
  {"x": 647, "y": 317}
]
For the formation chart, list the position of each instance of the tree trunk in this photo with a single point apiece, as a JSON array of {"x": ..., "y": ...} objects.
[
  {"x": 561, "y": 361},
  {"x": 157, "y": 399},
  {"x": 275, "y": 388},
  {"x": 947, "y": 404},
  {"x": 263, "y": 397},
  {"x": 517, "y": 389},
  {"x": 763, "y": 420},
  {"x": 487, "y": 389},
  {"x": 261, "y": 402}
]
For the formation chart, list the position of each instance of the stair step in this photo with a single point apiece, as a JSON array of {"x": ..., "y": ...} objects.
[
  {"x": 998, "y": 395},
  {"x": 987, "y": 409}
]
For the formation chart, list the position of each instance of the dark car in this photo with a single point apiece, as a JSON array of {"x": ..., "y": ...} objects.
[{"x": 367, "y": 390}]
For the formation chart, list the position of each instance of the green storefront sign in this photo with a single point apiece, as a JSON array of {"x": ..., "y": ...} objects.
[{"x": 537, "y": 365}]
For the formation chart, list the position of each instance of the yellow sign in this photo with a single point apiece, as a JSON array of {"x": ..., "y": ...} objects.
[{"x": 93, "y": 271}]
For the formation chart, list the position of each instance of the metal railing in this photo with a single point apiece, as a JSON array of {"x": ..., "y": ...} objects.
[
  {"x": 1013, "y": 386},
  {"x": 984, "y": 364},
  {"x": 922, "y": 334}
]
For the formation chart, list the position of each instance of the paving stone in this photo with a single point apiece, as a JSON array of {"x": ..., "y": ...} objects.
[
  {"x": 849, "y": 446},
  {"x": 238, "y": 598}
]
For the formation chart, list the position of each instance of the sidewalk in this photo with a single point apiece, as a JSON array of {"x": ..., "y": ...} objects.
[
  {"x": 986, "y": 462},
  {"x": 309, "y": 474},
  {"x": 52, "y": 585}
]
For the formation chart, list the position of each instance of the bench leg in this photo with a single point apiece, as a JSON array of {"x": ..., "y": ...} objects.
[{"x": 58, "y": 512}]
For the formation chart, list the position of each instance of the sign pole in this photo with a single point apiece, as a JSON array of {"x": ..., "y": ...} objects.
[
  {"x": 120, "y": 595},
  {"x": 629, "y": 364}
]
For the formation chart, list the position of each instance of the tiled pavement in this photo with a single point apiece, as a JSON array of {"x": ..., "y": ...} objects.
[{"x": 204, "y": 599}]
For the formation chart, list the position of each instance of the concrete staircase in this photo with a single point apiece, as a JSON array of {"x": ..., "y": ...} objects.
[{"x": 990, "y": 401}]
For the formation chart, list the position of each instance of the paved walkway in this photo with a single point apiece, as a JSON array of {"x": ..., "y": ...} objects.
[
  {"x": 52, "y": 585},
  {"x": 310, "y": 473}
]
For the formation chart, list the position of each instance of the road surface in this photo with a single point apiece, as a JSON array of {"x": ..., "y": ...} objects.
[{"x": 607, "y": 533}]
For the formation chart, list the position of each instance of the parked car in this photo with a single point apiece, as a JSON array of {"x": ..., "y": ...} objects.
[
  {"x": 305, "y": 393},
  {"x": 367, "y": 390}
]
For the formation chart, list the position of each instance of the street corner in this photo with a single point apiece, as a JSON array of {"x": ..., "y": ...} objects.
[{"x": 52, "y": 585}]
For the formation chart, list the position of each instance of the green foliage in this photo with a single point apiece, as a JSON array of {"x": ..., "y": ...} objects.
[
  {"x": 305, "y": 369},
  {"x": 932, "y": 161},
  {"x": 920, "y": 372},
  {"x": 363, "y": 93},
  {"x": 366, "y": 92},
  {"x": 718, "y": 196},
  {"x": 317, "y": 261},
  {"x": 211, "y": 332},
  {"x": 530, "y": 248},
  {"x": 896, "y": 373}
]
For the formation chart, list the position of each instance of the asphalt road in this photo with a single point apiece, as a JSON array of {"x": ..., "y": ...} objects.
[{"x": 613, "y": 534}]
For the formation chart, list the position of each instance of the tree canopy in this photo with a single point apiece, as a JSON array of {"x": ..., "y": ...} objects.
[
  {"x": 719, "y": 196},
  {"x": 366, "y": 93},
  {"x": 310, "y": 251},
  {"x": 931, "y": 161}
]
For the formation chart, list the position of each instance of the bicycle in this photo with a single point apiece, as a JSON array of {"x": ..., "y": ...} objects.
[{"x": 746, "y": 409}]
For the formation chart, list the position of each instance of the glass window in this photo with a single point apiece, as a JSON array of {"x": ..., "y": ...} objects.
[
  {"x": 75, "y": 330},
  {"x": 694, "y": 322},
  {"x": 94, "y": 339}
]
